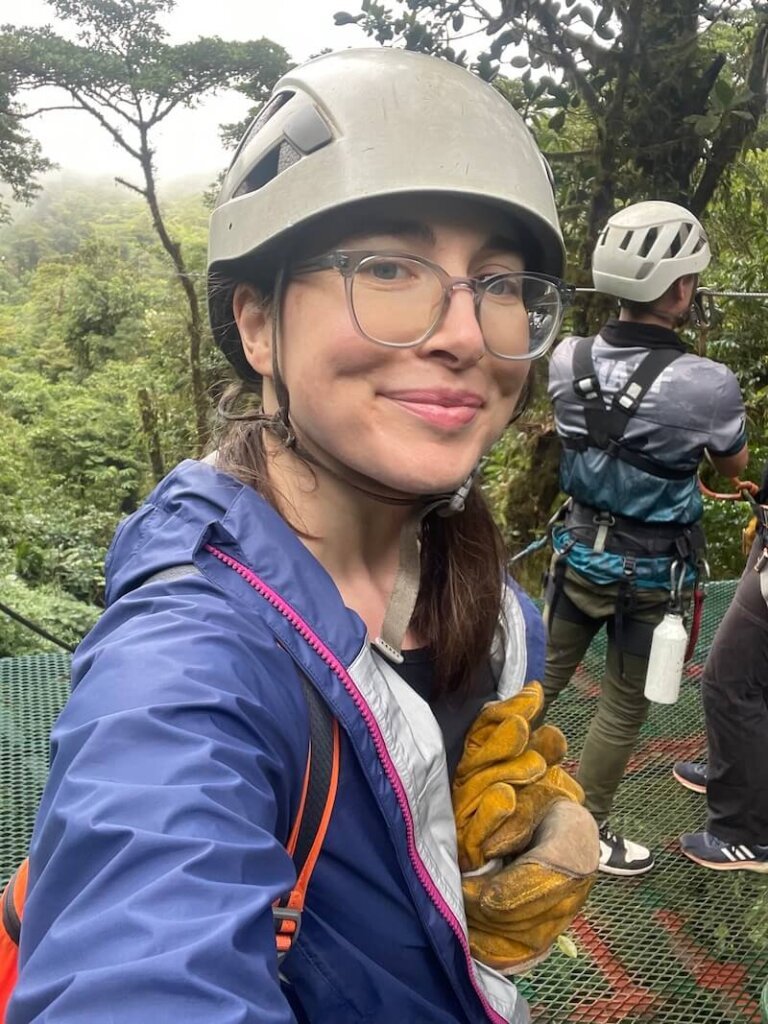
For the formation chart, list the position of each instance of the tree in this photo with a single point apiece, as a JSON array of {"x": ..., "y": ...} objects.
[
  {"x": 122, "y": 71},
  {"x": 20, "y": 157}
]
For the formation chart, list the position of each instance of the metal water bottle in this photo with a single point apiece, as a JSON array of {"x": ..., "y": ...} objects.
[{"x": 665, "y": 662}]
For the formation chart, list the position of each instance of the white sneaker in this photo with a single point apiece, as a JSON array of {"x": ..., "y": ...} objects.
[{"x": 620, "y": 856}]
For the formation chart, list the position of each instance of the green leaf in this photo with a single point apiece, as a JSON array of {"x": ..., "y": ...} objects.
[
  {"x": 345, "y": 18},
  {"x": 724, "y": 91},
  {"x": 557, "y": 122},
  {"x": 567, "y": 947}
]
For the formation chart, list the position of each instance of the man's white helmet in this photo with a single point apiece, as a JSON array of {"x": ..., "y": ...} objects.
[{"x": 645, "y": 248}]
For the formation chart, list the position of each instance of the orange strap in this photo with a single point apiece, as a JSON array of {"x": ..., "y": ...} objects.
[
  {"x": 741, "y": 486},
  {"x": 287, "y": 912},
  {"x": 11, "y": 911}
]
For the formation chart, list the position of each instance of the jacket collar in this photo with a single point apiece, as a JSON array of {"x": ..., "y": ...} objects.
[
  {"x": 629, "y": 334},
  {"x": 196, "y": 504}
]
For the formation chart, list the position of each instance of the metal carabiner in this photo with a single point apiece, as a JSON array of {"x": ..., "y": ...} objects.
[{"x": 676, "y": 586}]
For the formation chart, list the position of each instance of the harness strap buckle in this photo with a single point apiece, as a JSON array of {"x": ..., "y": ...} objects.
[
  {"x": 587, "y": 387},
  {"x": 287, "y": 927},
  {"x": 603, "y": 521}
]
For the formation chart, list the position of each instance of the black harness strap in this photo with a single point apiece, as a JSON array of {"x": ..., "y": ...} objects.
[
  {"x": 313, "y": 817},
  {"x": 606, "y": 424}
]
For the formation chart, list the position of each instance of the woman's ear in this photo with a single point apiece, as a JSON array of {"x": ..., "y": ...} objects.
[{"x": 254, "y": 323}]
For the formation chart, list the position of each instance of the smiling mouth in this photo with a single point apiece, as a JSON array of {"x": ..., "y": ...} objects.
[{"x": 448, "y": 411}]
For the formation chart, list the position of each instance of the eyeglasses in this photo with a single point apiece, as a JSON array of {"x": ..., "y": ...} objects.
[{"x": 400, "y": 300}]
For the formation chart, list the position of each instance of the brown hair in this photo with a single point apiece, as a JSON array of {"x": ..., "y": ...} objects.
[{"x": 462, "y": 556}]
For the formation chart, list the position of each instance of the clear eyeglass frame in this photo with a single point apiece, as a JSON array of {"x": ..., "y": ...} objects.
[{"x": 349, "y": 261}]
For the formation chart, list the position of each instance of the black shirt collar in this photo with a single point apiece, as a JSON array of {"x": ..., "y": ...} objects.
[{"x": 629, "y": 334}]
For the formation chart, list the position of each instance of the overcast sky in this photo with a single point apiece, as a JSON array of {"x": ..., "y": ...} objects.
[{"x": 189, "y": 141}]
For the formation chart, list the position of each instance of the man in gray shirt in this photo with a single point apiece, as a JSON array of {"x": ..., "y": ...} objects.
[{"x": 635, "y": 413}]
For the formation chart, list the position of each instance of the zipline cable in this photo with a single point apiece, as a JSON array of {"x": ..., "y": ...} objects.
[
  {"x": 35, "y": 628},
  {"x": 702, "y": 291}
]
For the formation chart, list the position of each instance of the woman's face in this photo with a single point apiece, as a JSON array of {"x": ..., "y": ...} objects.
[{"x": 416, "y": 420}]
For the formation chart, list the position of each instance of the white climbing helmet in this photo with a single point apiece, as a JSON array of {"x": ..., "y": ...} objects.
[
  {"x": 645, "y": 248},
  {"x": 366, "y": 124}
]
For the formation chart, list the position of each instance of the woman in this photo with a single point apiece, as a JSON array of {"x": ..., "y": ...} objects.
[{"x": 373, "y": 260}]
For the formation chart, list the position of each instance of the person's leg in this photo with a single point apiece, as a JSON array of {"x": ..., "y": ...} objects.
[
  {"x": 735, "y": 697},
  {"x": 622, "y": 707},
  {"x": 570, "y": 632}
]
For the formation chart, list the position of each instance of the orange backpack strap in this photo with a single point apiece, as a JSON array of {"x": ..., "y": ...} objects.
[
  {"x": 321, "y": 779},
  {"x": 11, "y": 910},
  {"x": 12, "y": 902}
]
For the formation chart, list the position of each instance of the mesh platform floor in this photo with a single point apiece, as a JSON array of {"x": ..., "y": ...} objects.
[{"x": 682, "y": 945}]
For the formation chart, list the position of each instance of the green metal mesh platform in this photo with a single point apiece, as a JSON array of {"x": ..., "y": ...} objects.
[
  {"x": 32, "y": 691},
  {"x": 683, "y": 945}
]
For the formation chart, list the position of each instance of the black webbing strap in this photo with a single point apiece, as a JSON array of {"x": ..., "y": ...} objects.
[
  {"x": 606, "y": 425},
  {"x": 10, "y": 917},
  {"x": 322, "y": 747},
  {"x": 313, "y": 817}
]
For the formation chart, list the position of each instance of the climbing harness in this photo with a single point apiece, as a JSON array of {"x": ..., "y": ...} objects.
[{"x": 606, "y": 425}]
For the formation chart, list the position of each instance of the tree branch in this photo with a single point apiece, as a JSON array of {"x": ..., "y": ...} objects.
[
  {"x": 41, "y": 110},
  {"x": 134, "y": 188},
  {"x": 97, "y": 114},
  {"x": 553, "y": 33},
  {"x": 736, "y": 130}
]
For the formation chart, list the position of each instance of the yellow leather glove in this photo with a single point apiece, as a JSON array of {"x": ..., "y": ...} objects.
[
  {"x": 532, "y": 804},
  {"x": 510, "y": 794},
  {"x": 516, "y": 910},
  {"x": 496, "y": 758},
  {"x": 495, "y": 807}
]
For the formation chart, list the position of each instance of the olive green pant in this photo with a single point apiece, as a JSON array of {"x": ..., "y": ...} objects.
[{"x": 580, "y": 611}]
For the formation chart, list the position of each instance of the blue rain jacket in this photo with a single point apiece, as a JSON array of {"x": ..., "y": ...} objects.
[{"x": 177, "y": 772}]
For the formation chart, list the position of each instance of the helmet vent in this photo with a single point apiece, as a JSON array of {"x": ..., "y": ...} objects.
[
  {"x": 278, "y": 159},
  {"x": 679, "y": 240},
  {"x": 266, "y": 113},
  {"x": 625, "y": 240},
  {"x": 647, "y": 243}
]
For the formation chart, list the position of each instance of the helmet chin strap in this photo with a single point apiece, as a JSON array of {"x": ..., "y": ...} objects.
[{"x": 405, "y": 591}]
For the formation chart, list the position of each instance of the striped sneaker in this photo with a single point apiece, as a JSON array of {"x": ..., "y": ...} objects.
[
  {"x": 691, "y": 774},
  {"x": 711, "y": 852}
]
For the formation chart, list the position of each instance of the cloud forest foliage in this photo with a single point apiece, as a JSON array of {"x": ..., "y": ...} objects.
[
  {"x": 93, "y": 374},
  {"x": 122, "y": 71}
]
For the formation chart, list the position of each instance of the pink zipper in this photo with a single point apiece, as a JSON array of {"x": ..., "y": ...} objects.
[{"x": 389, "y": 769}]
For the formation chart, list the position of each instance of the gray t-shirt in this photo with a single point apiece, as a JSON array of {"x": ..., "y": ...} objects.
[{"x": 694, "y": 404}]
